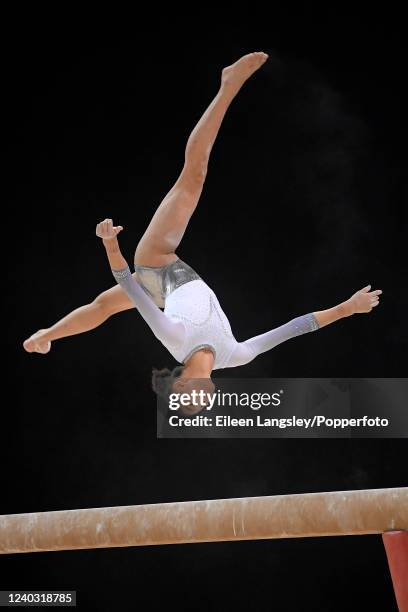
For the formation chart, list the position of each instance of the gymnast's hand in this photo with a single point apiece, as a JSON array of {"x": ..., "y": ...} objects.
[
  {"x": 107, "y": 231},
  {"x": 364, "y": 300}
]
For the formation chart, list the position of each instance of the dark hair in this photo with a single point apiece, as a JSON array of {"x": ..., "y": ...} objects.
[{"x": 163, "y": 380}]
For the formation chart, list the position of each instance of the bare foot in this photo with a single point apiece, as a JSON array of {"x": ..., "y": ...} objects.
[
  {"x": 234, "y": 76},
  {"x": 34, "y": 344}
]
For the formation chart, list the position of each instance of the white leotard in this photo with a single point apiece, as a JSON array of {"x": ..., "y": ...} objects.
[{"x": 193, "y": 319}]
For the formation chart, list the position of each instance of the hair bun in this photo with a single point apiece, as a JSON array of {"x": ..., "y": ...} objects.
[{"x": 162, "y": 381}]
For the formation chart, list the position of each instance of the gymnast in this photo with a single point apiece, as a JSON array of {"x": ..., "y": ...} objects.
[{"x": 192, "y": 324}]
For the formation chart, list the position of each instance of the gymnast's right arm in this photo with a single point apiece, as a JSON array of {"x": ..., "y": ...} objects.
[{"x": 167, "y": 331}]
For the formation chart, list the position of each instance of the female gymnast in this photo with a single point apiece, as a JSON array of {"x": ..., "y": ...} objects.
[{"x": 192, "y": 325}]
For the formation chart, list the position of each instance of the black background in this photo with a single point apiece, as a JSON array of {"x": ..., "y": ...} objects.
[{"x": 302, "y": 206}]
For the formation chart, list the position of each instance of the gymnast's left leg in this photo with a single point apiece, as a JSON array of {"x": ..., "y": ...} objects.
[{"x": 82, "y": 319}]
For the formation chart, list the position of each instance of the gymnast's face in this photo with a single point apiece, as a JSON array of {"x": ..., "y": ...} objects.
[{"x": 201, "y": 386}]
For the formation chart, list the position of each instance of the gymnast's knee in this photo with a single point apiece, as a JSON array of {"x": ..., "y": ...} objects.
[
  {"x": 103, "y": 304},
  {"x": 195, "y": 171}
]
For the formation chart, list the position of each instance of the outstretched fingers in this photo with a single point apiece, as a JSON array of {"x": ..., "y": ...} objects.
[{"x": 375, "y": 297}]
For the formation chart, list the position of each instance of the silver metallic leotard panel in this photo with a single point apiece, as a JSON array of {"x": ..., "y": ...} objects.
[{"x": 159, "y": 283}]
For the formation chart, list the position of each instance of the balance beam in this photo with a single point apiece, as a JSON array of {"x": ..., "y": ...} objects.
[{"x": 249, "y": 518}]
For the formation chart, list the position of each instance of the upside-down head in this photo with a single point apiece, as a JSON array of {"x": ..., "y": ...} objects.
[{"x": 166, "y": 382}]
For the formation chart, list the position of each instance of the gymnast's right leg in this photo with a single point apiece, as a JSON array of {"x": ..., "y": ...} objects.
[
  {"x": 159, "y": 242},
  {"x": 82, "y": 319}
]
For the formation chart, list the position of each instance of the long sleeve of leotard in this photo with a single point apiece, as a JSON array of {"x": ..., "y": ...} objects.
[
  {"x": 248, "y": 350},
  {"x": 170, "y": 333}
]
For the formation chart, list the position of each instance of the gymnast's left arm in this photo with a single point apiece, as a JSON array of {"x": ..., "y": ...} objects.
[
  {"x": 363, "y": 301},
  {"x": 169, "y": 332}
]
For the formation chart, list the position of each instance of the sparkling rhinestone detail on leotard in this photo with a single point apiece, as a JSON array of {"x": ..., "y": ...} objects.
[
  {"x": 306, "y": 323},
  {"x": 121, "y": 274}
]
